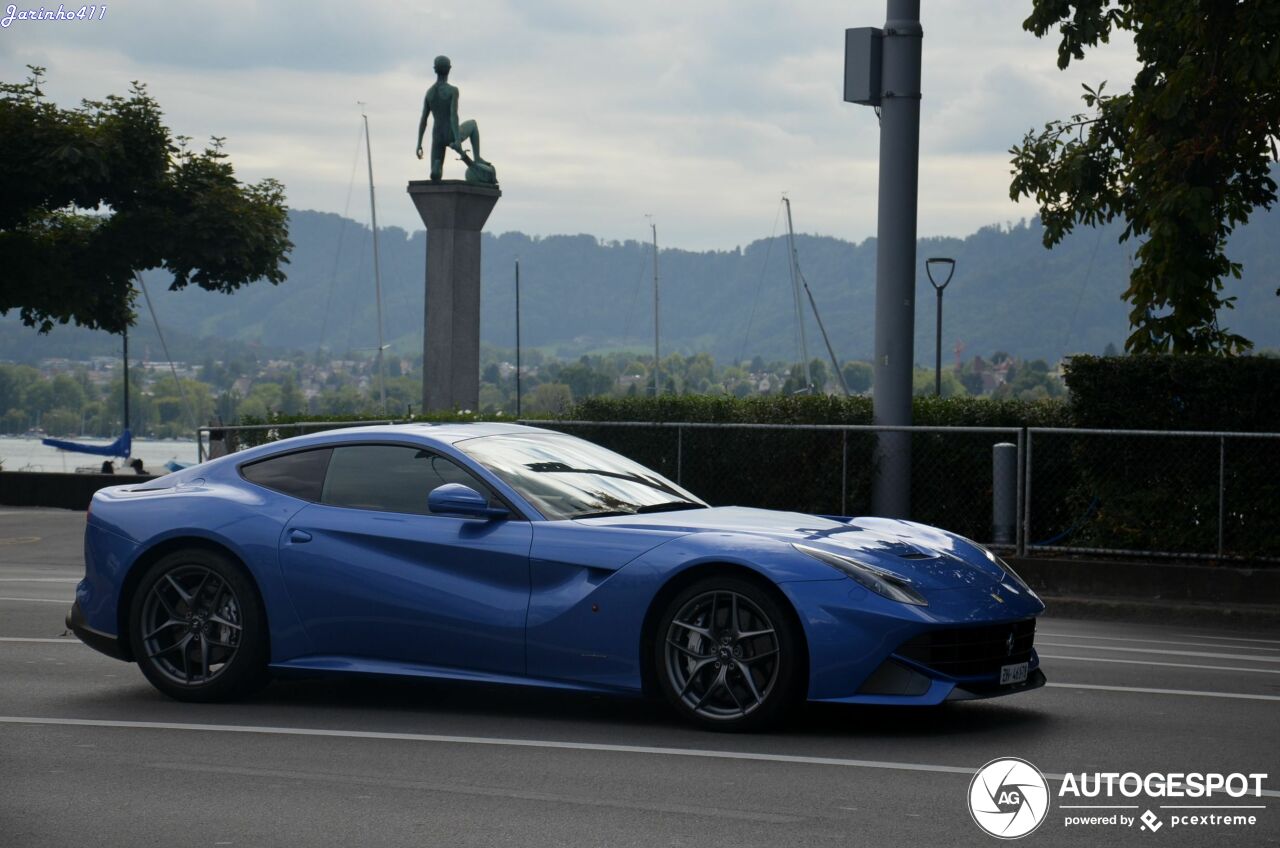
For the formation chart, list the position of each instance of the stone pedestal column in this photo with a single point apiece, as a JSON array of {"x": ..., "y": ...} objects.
[{"x": 454, "y": 212}]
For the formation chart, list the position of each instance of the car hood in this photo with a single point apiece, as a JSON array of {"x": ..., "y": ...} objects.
[{"x": 929, "y": 557}]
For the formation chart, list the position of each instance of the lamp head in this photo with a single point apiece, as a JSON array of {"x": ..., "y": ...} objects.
[{"x": 941, "y": 262}]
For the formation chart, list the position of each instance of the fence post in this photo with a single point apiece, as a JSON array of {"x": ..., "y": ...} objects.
[
  {"x": 679, "y": 454},
  {"x": 844, "y": 472},
  {"x": 1021, "y": 541},
  {"x": 1026, "y": 505},
  {"x": 1222, "y": 485},
  {"x": 1004, "y": 493}
]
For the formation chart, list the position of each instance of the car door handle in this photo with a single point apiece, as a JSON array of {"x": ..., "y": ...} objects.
[{"x": 299, "y": 536}]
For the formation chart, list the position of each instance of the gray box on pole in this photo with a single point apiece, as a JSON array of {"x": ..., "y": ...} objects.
[
  {"x": 862, "y": 66},
  {"x": 1004, "y": 493},
  {"x": 896, "y": 255},
  {"x": 454, "y": 213}
]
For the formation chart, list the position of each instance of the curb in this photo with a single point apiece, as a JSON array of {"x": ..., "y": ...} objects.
[{"x": 1253, "y": 617}]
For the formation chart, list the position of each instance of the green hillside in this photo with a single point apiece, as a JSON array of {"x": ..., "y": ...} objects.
[{"x": 582, "y": 295}]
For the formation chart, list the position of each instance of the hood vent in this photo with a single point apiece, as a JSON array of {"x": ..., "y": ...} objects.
[{"x": 906, "y": 550}]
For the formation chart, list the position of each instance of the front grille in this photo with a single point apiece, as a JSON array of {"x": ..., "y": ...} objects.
[{"x": 971, "y": 651}]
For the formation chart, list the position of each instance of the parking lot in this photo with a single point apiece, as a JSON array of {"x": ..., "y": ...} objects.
[{"x": 90, "y": 754}]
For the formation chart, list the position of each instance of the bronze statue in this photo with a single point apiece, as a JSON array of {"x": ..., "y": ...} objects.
[{"x": 441, "y": 103}]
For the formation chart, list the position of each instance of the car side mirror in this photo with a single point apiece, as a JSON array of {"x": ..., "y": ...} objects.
[{"x": 464, "y": 501}]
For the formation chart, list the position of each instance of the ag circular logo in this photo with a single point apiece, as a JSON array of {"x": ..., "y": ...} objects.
[{"x": 1008, "y": 798}]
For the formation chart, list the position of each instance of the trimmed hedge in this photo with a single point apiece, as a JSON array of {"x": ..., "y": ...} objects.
[
  {"x": 801, "y": 470},
  {"x": 821, "y": 409},
  {"x": 1160, "y": 493},
  {"x": 1163, "y": 392},
  {"x": 1110, "y": 491}
]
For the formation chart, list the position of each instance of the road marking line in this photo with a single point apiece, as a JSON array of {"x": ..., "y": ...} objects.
[
  {"x": 487, "y": 740},
  {"x": 1166, "y": 664},
  {"x": 47, "y": 580},
  {"x": 1234, "y": 639},
  {"x": 1154, "y": 641},
  {"x": 40, "y": 600},
  {"x": 601, "y": 747},
  {"x": 1149, "y": 691},
  {"x": 64, "y": 640},
  {"x": 1206, "y": 654},
  {"x": 481, "y": 791}
]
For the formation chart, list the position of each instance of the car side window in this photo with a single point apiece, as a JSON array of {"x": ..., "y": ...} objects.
[
  {"x": 391, "y": 478},
  {"x": 300, "y": 474}
]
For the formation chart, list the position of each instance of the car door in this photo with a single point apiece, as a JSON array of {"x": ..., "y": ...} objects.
[{"x": 374, "y": 575}]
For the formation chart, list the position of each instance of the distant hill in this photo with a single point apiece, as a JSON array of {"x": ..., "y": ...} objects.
[{"x": 580, "y": 295}]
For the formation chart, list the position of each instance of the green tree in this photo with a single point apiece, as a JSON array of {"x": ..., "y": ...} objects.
[
  {"x": 1182, "y": 157},
  {"x": 61, "y": 422},
  {"x": 584, "y": 381},
  {"x": 97, "y": 193},
  {"x": 551, "y": 398},
  {"x": 857, "y": 376},
  {"x": 923, "y": 384},
  {"x": 291, "y": 400}
]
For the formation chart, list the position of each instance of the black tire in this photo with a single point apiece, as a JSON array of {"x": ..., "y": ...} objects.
[
  {"x": 197, "y": 627},
  {"x": 723, "y": 674}
]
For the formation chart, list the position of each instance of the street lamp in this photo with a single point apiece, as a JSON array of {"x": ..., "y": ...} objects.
[{"x": 939, "y": 288}]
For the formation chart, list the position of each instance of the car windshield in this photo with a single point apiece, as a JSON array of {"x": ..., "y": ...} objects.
[{"x": 566, "y": 477}]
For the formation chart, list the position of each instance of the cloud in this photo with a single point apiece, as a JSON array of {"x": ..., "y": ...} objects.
[{"x": 594, "y": 113}]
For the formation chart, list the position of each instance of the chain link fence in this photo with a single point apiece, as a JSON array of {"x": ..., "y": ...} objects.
[
  {"x": 1171, "y": 494},
  {"x": 1153, "y": 492},
  {"x": 816, "y": 468}
]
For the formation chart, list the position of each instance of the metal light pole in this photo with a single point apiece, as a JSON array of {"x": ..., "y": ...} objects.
[
  {"x": 517, "y": 338},
  {"x": 939, "y": 288},
  {"x": 882, "y": 69}
]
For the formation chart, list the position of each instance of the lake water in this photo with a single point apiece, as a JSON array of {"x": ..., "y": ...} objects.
[{"x": 18, "y": 454}]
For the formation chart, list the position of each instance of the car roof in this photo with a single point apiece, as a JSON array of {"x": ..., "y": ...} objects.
[
  {"x": 446, "y": 433},
  {"x": 449, "y": 432}
]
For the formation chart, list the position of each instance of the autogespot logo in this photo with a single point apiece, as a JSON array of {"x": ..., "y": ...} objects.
[{"x": 1008, "y": 798}]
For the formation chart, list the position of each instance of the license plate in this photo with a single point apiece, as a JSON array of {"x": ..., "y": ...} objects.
[{"x": 1016, "y": 673}]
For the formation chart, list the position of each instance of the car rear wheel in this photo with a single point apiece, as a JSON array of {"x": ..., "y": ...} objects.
[
  {"x": 727, "y": 655},
  {"x": 197, "y": 628}
]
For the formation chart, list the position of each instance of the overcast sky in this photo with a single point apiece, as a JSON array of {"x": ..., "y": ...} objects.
[{"x": 594, "y": 112}]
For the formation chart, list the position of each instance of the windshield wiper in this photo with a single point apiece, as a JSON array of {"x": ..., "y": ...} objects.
[
  {"x": 669, "y": 506},
  {"x": 603, "y": 513}
]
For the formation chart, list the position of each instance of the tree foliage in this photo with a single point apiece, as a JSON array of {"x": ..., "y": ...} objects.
[
  {"x": 91, "y": 195},
  {"x": 1183, "y": 157}
]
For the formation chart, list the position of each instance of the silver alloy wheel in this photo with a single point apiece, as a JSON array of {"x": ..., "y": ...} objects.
[
  {"x": 192, "y": 623},
  {"x": 723, "y": 655}
]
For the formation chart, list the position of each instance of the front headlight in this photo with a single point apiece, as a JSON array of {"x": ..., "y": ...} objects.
[
  {"x": 1007, "y": 569},
  {"x": 886, "y": 583}
]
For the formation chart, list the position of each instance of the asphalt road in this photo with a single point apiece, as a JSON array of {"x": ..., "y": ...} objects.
[{"x": 91, "y": 755}]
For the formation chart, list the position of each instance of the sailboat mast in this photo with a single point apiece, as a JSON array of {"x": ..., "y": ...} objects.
[
  {"x": 517, "y": 338},
  {"x": 826, "y": 340},
  {"x": 657, "y": 386},
  {"x": 126, "y": 377},
  {"x": 795, "y": 291},
  {"x": 377, "y": 271}
]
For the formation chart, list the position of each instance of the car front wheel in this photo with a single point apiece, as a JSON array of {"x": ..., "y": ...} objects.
[
  {"x": 197, "y": 629},
  {"x": 727, "y": 655}
]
